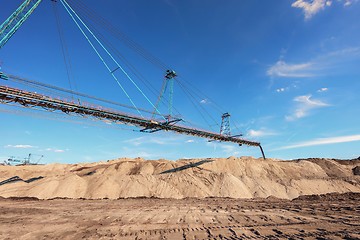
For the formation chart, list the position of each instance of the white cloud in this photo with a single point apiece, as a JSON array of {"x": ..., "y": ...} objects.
[
  {"x": 230, "y": 149},
  {"x": 323, "y": 141},
  {"x": 142, "y": 153},
  {"x": 135, "y": 141},
  {"x": 190, "y": 141},
  {"x": 310, "y": 102},
  {"x": 156, "y": 140},
  {"x": 304, "y": 105},
  {"x": 325, "y": 64},
  {"x": 312, "y": 7},
  {"x": 225, "y": 148},
  {"x": 19, "y": 146},
  {"x": 108, "y": 122},
  {"x": 322, "y": 90},
  {"x": 59, "y": 150},
  {"x": 260, "y": 133},
  {"x": 204, "y": 101},
  {"x": 348, "y": 2},
  {"x": 280, "y": 90},
  {"x": 283, "y": 69},
  {"x": 55, "y": 150}
]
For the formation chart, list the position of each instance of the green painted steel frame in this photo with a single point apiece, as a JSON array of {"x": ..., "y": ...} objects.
[{"x": 14, "y": 22}]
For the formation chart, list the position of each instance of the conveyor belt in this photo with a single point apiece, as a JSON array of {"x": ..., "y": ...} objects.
[{"x": 31, "y": 99}]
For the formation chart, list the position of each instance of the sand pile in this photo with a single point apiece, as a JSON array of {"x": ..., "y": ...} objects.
[{"x": 243, "y": 177}]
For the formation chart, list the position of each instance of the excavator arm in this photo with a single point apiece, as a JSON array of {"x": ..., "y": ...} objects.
[{"x": 12, "y": 23}]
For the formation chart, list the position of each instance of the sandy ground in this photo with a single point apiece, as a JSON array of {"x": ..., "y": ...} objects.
[
  {"x": 331, "y": 216},
  {"x": 232, "y": 177}
]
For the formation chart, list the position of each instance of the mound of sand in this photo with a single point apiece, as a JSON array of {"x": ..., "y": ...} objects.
[{"x": 243, "y": 177}]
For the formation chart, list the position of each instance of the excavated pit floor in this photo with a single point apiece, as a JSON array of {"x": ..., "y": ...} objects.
[{"x": 331, "y": 216}]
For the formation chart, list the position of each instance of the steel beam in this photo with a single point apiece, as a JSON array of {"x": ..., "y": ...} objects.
[{"x": 31, "y": 99}]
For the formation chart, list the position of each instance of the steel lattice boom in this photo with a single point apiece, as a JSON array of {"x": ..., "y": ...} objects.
[
  {"x": 13, "y": 23},
  {"x": 31, "y": 99}
]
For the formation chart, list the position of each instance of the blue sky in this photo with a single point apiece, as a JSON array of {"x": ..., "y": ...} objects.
[{"x": 287, "y": 71}]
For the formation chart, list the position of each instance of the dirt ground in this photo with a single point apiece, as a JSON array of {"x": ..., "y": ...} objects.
[{"x": 330, "y": 216}]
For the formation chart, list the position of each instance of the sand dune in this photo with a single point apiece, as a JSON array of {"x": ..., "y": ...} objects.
[{"x": 243, "y": 177}]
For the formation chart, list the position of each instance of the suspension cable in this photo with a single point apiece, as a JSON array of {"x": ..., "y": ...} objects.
[
  {"x": 101, "y": 58},
  {"x": 198, "y": 93},
  {"x": 191, "y": 98},
  {"x": 95, "y": 18},
  {"x": 109, "y": 54},
  {"x": 196, "y": 107},
  {"x": 64, "y": 48},
  {"x": 122, "y": 36},
  {"x": 191, "y": 91},
  {"x": 136, "y": 72}
]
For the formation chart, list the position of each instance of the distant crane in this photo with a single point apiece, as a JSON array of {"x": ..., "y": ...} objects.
[{"x": 26, "y": 160}]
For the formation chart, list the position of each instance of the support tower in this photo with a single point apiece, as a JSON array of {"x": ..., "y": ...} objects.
[{"x": 225, "y": 125}]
